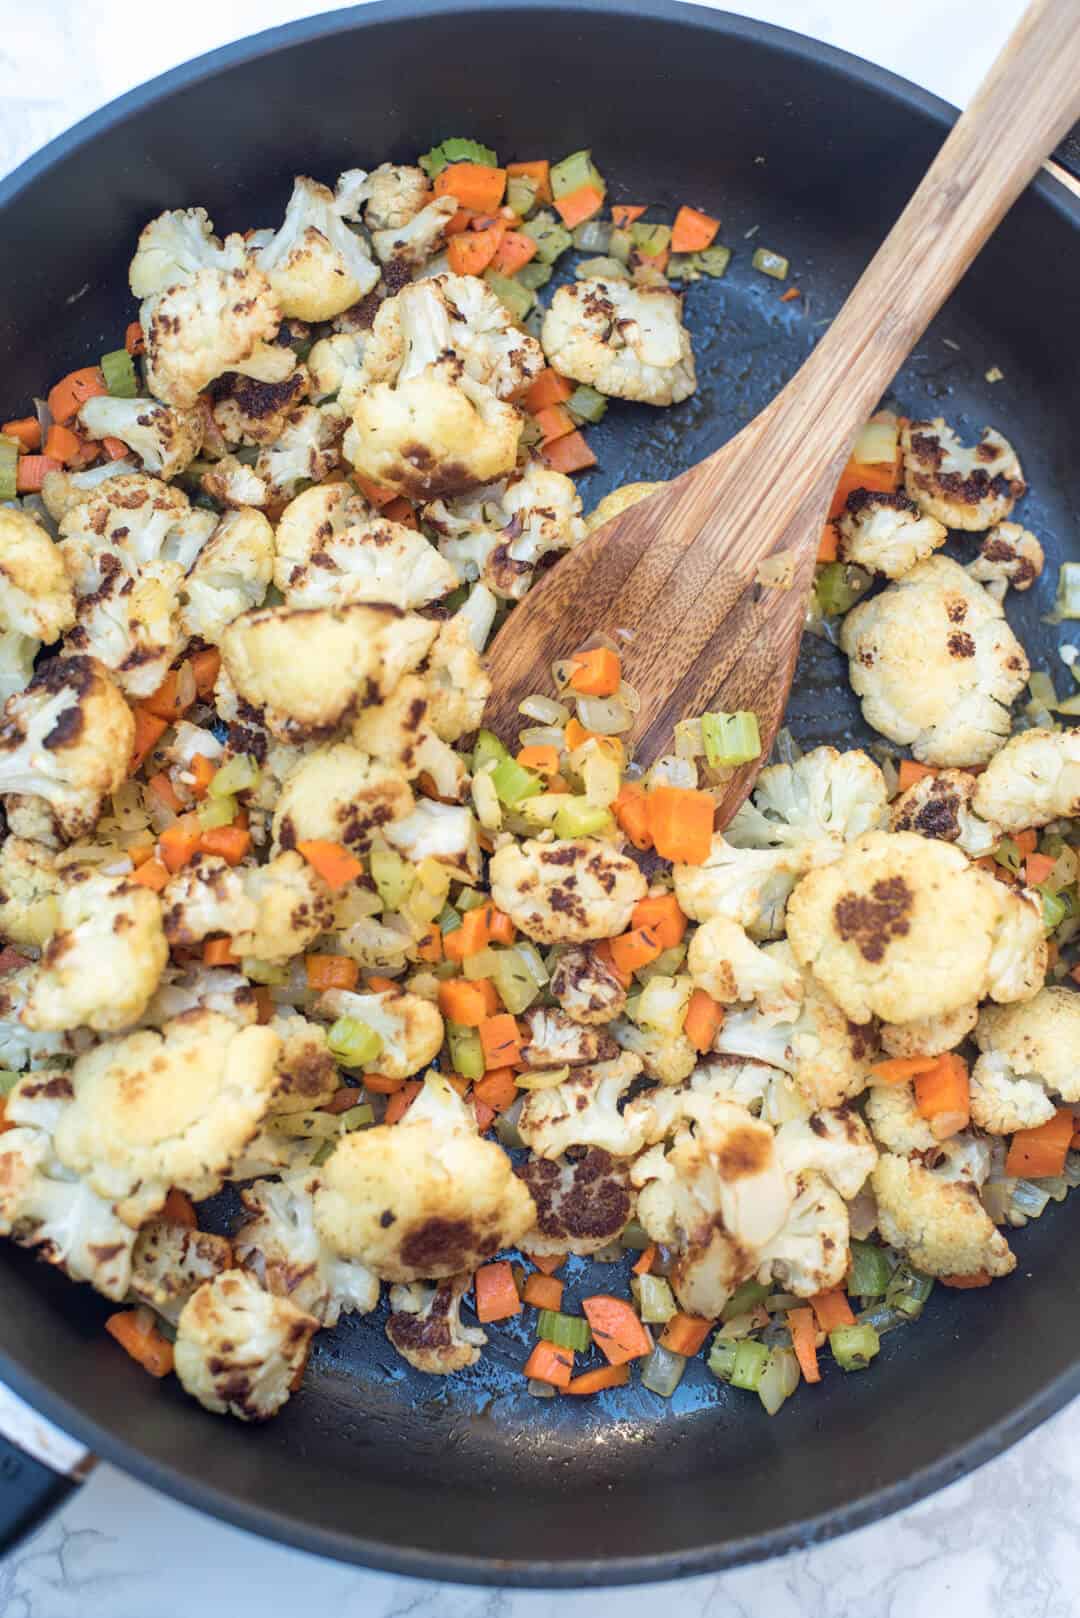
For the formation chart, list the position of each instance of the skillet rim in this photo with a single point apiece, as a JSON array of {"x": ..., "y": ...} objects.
[{"x": 201, "y": 1493}]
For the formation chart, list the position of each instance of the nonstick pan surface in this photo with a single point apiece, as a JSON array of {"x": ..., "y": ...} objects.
[{"x": 798, "y": 148}]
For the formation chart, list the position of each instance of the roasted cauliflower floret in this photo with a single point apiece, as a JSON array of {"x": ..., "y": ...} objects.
[
  {"x": 896, "y": 1122},
  {"x": 154, "y": 1110},
  {"x": 935, "y": 664},
  {"x": 231, "y": 576},
  {"x": 292, "y": 907},
  {"x": 221, "y": 319},
  {"x": 413, "y": 243},
  {"x": 309, "y": 449},
  {"x": 749, "y": 886},
  {"x": 586, "y": 987},
  {"x": 940, "y": 1225},
  {"x": 1034, "y": 779},
  {"x": 809, "y": 1253},
  {"x": 499, "y": 533},
  {"x": 623, "y": 340},
  {"x": 331, "y": 550},
  {"x": 729, "y": 966},
  {"x": 1030, "y": 1053},
  {"x": 552, "y": 1039},
  {"x": 665, "y": 1056},
  {"x": 36, "y": 603},
  {"x": 568, "y": 891},
  {"x": 339, "y": 794},
  {"x": 399, "y": 733},
  {"x": 457, "y": 316},
  {"x": 411, "y": 1028},
  {"x": 233, "y": 484},
  {"x": 128, "y": 621},
  {"x": 583, "y": 1202},
  {"x": 940, "y": 806},
  {"x": 394, "y": 193},
  {"x": 458, "y": 684},
  {"x": 239, "y": 1350},
  {"x": 281, "y": 1246},
  {"x": 929, "y": 1036},
  {"x": 1009, "y": 555},
  {"x": 814, "y": 806},
  {"x": 20, "y": 1046},
  {"x": 173, "y": 248},
  {"x": 618, "y": 501},
  {"x": 102, "y": 963},
  {"x": 963, "y": 488},
  {"x": 307, "y": 1073},
  {"x": 1019, "y": 957},
  {"x": 137, "y": 518},
  {"x": 309, "y": 670},
  {"x": 257, "y": 413},
  {"x": 334, "y": 365},
  {"x": 833, "y": 1142},
  {"x": 166, "y": 440},
  {"x": 886, "y": 533},
  {"x": 30, "y": 887},
  {"x": 426, "y": 1328},
  {"x": 170, "y": 1261},
  {"x": 584, "y": 1111},
  {"x": 316, "y": 265}
]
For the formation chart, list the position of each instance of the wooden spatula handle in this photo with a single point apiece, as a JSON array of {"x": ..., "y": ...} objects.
[{"x": 1024, "y": 106}]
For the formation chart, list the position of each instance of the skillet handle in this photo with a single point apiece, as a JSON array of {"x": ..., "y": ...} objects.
[{"x": 39, "y": 1467}]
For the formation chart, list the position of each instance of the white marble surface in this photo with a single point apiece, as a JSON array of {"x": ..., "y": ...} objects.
[{"x": 1006, "y": 1541}]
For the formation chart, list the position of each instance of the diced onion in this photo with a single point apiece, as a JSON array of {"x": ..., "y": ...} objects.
[
  {"x": 629, "y": 697},
  {"x": 779, "y": 1379},
  {"x": 539, "y": 1390},
  {"x": 544, "y": 709},
  {"x": 561, "y": 670},
  {"x": 607, "y": 716},
  {"x": 688, "y": 739},
  {"x": 670, "y": 771},
  {"x": 543, "y": 1078},
  {"x": 543, "y": 736},
  {"x": 663, "y": 1371},
  {"x": 602, "y": 779}
]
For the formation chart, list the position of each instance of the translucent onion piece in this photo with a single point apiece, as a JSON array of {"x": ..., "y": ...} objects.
[
  {"x": 544, "y": 709},
  {"x": 779, "y": 1379},
  {"x": 670, "y": 771},
  {"x": 185, "y": 686},
  {"x": 663, "y": 1371},
  {"x": 688, "y": 739},
  {"x": 630, "y": 698},
  {"x": 543, "y": 1078},
  {"x": 561, "y": 670},
  {"x": 549, "y": 735},
  {"x": 607, "y": 716},
  {"x": 602, "y": 779}
]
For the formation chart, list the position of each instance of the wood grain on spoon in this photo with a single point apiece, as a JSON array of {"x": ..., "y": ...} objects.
[{"x": 674, "y": 578}]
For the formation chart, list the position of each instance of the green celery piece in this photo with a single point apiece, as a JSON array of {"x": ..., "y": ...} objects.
[
  {"x": 834, "y": 589},
  {"x": 358, "y": 1117},
  {"x": 269, "y": 973},
  {"x": 487, "y": 749},
  {"x": 870, "y": 1271},
  {"x": 620, "y": 244},
  {"x": 1008, "y": 854},
  {"x": 8, "y": 1081},
  {"x": 471, "y": 899},
  {"x": 521, "y": 193},
  {"x": 534, "y": 274},
  {"x": 743, "y": 1299},
  {"x": 217, "y": 811},
  {"x": 714, "y": 260},
  {"x": 514, "y": 296},
  {"x": 466, "y": 1051},
  {"x": 513, "y": 783},
  {"x": 9, "y": 468},
  {"x": 516, "y": 985},
  {"x": 604, "y": 268},
  {"x": 853, "y": 1347},
  {"x": 650, "y": 239},
  {"x": 908, "y": 1290},
  {"x": 576, "y": 817},
  {"x": 586, "y": 404},
  {"x": 1055, "y": 906},
  {"x": 770, "y": 263},
  {"x": 573, "y": 172},
  {"x": 551, "y": 238},
  {"x": 636, "y": 1236},
  {"x": 721, "y": 1361},
  {"x": 730, "y": 738},
  {"x": 456, "y": 149},
  {"x": 448, "y": 920},
  {"x": 684, "y": 267},
  {"x": 655, "y": 1299},
  {"x": 353, "y": 1042},
  {"x": 565, "y": 1331},
  {"x": 750, "y": 1360},
  {"x": 392, "y": 876},
  {"x": 325, "y": 1150},
  {"x": 118, "y": 369},
  {"x": 239, "y": 774}
]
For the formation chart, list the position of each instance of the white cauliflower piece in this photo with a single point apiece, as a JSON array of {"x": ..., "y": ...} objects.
[
  {"x": 586, "y": 987},
  {"x": 307, "y": 1073},
  {"x": 340, "y": 795},
  {"x": 173, "y": 248},
  {"x": 17, "y": 654},
  {"x": 166, "y": 440},
  {"x": 552, "y": 1039},
  {"x": 102, "y": 964},
  {"x": 582, "y": 1204},
  {"x": 332, "y": 550},
  {"x": 1009, "y": 555},
  {"x": 814, "y": 806},
  {"x": 749, "y": 886},
  {"x": 935, "y": 665},
  {"x": 232, "y": 484},
  {"x": 500, "y": 532},
  {"x": 246, "y": 411},
  {"x": 30, "y": 887},
  {"x": 170, "y": 1261},
  {"x": 22, "y": 1047},
  {"x": 413, "y": 243},
  {"x": 213, "y": 988},
  {"x": 426, "y": 1328},
  {"x": 896, "y": 1122},
  {"x": 729, "y": 966},
  {"x": 231, "y": 576},
  {"x": 394, "y": 193},
  {"x": 584, "y": 1111},
  {"x": 968, "y": 488},
  {"x": 1019, "y": 957},
  {"x": 569, "y": 891},
  {"x": 292, "y": 907},
  {"x": 58, "y": 1215},
  {"x": 139, "y": 519},
  {"x": 129, "y": 622},
  {"x": 624, "y": 340},
  {"x": 36, "y": 603},
  {"x": 334, "y": 365},
  {"x": 239, "y": 1350},
  {"x": 60, "y": 491},
  {"x": 308, "y": 448},
  {"x": 886, "y": 533},
  {"x": 1030, "y": 1053},
  {"x": 809, "y": 1253},
  {"x": 833, "y": 1142},
  {"x": 456, "y": 316},
  {"x": 438, "y": 831},
  {"x": 399, "y": 733},
  {"x": 154, "y": 1110},
  {"x": 223, "y": 318},
  {"x": 310, "y": 669},
  {"x": 940, "y": 1225},
  {"x": 316, "y": 265},
  {"x": 669, "y": 1058},
  {"x": 1034, "y": 779},
  {"x": 1002, "y": 1102},
  {"x": 458, "y": 684},
  {"x": 929, "y": 1036},
  {"x": 281, "y": 1246},
  {"x": 940, "y": 806},
  {"x": 410, "y": 1027}
]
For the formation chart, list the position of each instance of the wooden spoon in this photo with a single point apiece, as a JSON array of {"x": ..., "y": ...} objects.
[{"x": 677, "y": 572}]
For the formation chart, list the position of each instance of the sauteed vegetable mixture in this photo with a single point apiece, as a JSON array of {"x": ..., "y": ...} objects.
[{"x": 420, "y": 1016}]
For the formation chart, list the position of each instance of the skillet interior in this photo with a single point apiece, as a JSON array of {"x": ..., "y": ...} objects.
[{"x": 472, "y": 1479}]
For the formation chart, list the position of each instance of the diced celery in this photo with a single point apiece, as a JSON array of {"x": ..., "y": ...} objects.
[
  {"x": 650, "y": 239},
  {"x": 9, "y": 468},
  {"x": 1007, "y": 853},
  {"x": 534, "y": 274},
  {"x": 770, "y": 263},
  {"x": 573, "y": 172},
  {"x": 666, "y": 964},
  {"x": 1055, "y": 908},
  {"x": 636, "y": 1236},
  {"x": 433, "y": 876},
  {"x": 269, "y": 973},
  {"x": 714, "y": 260},
  {"x": 684, "y": 267},
  {"x": 306, "y": 1125},
  {"x": 551, "y": 238},
  {"x": 455, "y": 150},
  {"x": 578, "y": 818},
  {"x": 326, "y": 1150},
  {"x": 593, "y": 236},
  {"x": 391, "y": 875},
  {"x": 512, "y": 294},
  {"x": 8, "y": 1081},
  {"x": 730, "y": 738},
  {"x": 480, "y": 965},
  {"x": 1042, "y": 690},
  {"x": 908, "y": 1290},
  {"x": 547, "y": 1078},
  {"x": 533, "y": 962},
  {"x": 217, "y": 811},
  {"x": 870, "y": 1271},
  {"x": 521, "y": 193},
  {"x": 654, "y": 1298},
  {"x": 238, "y": 774},
  {"x": 448, "y": 920},
  {"x": 353, "y": 1042},
  {"x": 1067, "y": 604},
  {"x": 565, "y": 1331},
  {"x": 516, "y": 985},
  {"x": 487, "y": 749},
  {"x": 751, "y": 1359},
  {"x": 514, "y": 783},
  {"x": 118, "y": 369},
  {"x": 620, "y": 244},
  {"x": 471, "y": 899},
  {"x": 662, "y": 1371},
  {"x": 585, "y": 404},
  {"x": 743, "y": 1298},
  {"x": 612, "y": 269},
  {"x": 358, "y": 1117},
  {"x": 721, "y": 1361},
  {"x": 853, "y": 1347},
  {"x": 466, "y": 1051},
  {"x": 779, "y": 1379}
]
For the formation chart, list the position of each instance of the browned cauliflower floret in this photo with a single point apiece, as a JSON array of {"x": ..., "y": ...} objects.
[
  {"x": 307, "y": 1073},
  {"x": 282, "y": 1247},
  {"x": 499, "y": 533},
  {"x": 727, "y": 964},
  {"x": 170, "y": 1261},
  {"x": 166, "y": 440},
  {"x": 1030, "y": 1053},
  {"x": 317, "y": 266},
  {"x": 231, "y": 576},
  {"x": 935, "y": 664},
  {"x": 426, "y": 1328},
  {"x": 30, "y": 886},
  {"x": 271, "y": 912},
  {"x": 1034, "y": 779},
  {"x": 895, "y": 1120},
  {"x": 239, "y": 1350},
  {"x": 583, "y": 1201},
  {"x": 963, "y": 488},
  {"x": 586, "y": 987},
  {"x": 409, "y": 1027},
  {"x": 36, "y": 603},
  {"x": 339, "y": 794},
  {"x": 451, "y": 315},
  {"x": 394, "y": 193},
  {"x": 1010, "y": 555},
  {"x": 309, "y": 670},
  {"x": 458, "y": 684},
  {"x": 624, "y": 340},
  {"x": 929, "y": 1036},
  {"x": 333, "y": 549},
  {"x": 552, "y": 1039},
  {"x": 940, "y": 1225},
  {"x": 308, "y": 450},
  {"x": 221, "y": 319},
  {"x": 812, "y": 807},
  {"x": 233, "y": 484},
  {"x": 584, "y": 1111},
  {"x": 940, "y": 806},
  {"x": 748, "y": 885},
  {"x": 886, "y": 533},
  {"x": 399, "y": 733},
  {"x": 154, "y": 1110},
  {"x": 256, "y": 413},
  {"x": 568, "y": 891}
]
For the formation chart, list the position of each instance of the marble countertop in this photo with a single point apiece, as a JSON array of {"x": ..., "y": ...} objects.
[{"x": 1005, "y": 1541}]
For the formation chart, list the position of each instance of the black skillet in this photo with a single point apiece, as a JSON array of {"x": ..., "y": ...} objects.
[{"x": 801, "y": 149}]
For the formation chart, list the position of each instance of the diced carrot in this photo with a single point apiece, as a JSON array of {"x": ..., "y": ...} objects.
[
  {"x": 645, "y": 1262},
  {"x": 910, "y": 772},
  {"x": 554, "y": 422},
  {"x": 501, "y": 1040},
  {"x": 72, "y": 392},
  {"x": 1037, "y": 868},
  {"x": 459, "y": 222},
  {"x": 547, "y": 1363},
  {"x": 381, "y": 985},
  {"x": 501, "y": 929},
  {"x": 829, "y": 543},
  {"x": 179, "y": 1209},
  {"x": 576, "y": 736},
  {"x": 377, "y": 493},
  {"x": 475, "y": 185},
  {"x": 661, "y": 914},
  {"x": 264, "y": 1004},
  {"x": 635, "y": 948},
  {"x": 114, "y": 448},
  {"x": 623, "y": 214},
  {"x": 568, "y": 454},
  {"x": 468, "y": 939},
  {"x": 497, "y": 1089},
  {"x": 27, "y": 430},
  {"x": 463, "y": 1002},
  {"x": 595, "y": 1381},
  {"x": 203, "y": 769},
  {"x": 616, "y": 1329},
  {"x": 205, "y": 667},
  {"x": 429, "y": 947},
  {"x": 545, "y": 760},
  {"x": 899, "y": 1069},
  {"x": 1026, "y": 841},
  {"x": 62, "y": 443},
  {"x": 1039, "y": 1154},
  {"x": 693, "y": 231},
  {"x": 165, "y": 701},
  {"x": 803, "y": 1329},
  {"x": 331, "y": 971},
  {"x": 657, "y": 261},
  {"x": 597, "y": 673},
  {"x": 149, "y": 730},
  {"x": 680, "y": 823},
  {"x": 231, "y": 842},
  {"x": 543, "y": 1292},
  {"x": 336, "y": 864},
  {"x": 179, "y": 842},
  {"x": 684, "y": 1334},
  {"x": 491, "y": 997},
  {"x": 31, "y": 471},
  {"x": 632, "y": 815},
  {"x": 134, "y": 338},
  {"x": 943, "y": 1096},
  {"x": 549, "y": 388},
  {"x": 579, "y": 205},
  {"x": 513, "y": 252},
  {"x": 401, "y": 1100},
  {"x": 790, "y": 295},
  {"x": 143, "y": 1342},
  {"x": 964, "y": 1283},
  {"x": 704, "y": 1020},
  {"x": 165, "y": 792},
  {"x": 139, "y": 853},
  {"x": 151, "y": 874},
  {"x": 472, "y": 252},
  {"x": 547, "y": 1265},
  {"x": 381, "y": 1084},
  {"x": 340, "y": 1101},
  {"x": 602, "y": 950},
  {"x": 556, "y": 785},
  {"x": 883, "y": 478},
  {"x": 484, "y": 1115},
  {"x": 539, "y": 172},
  {"x": 496, "y": 1294},
  {"x": 219, "y": 952},
  {"x": 831, "y": 1309}
]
